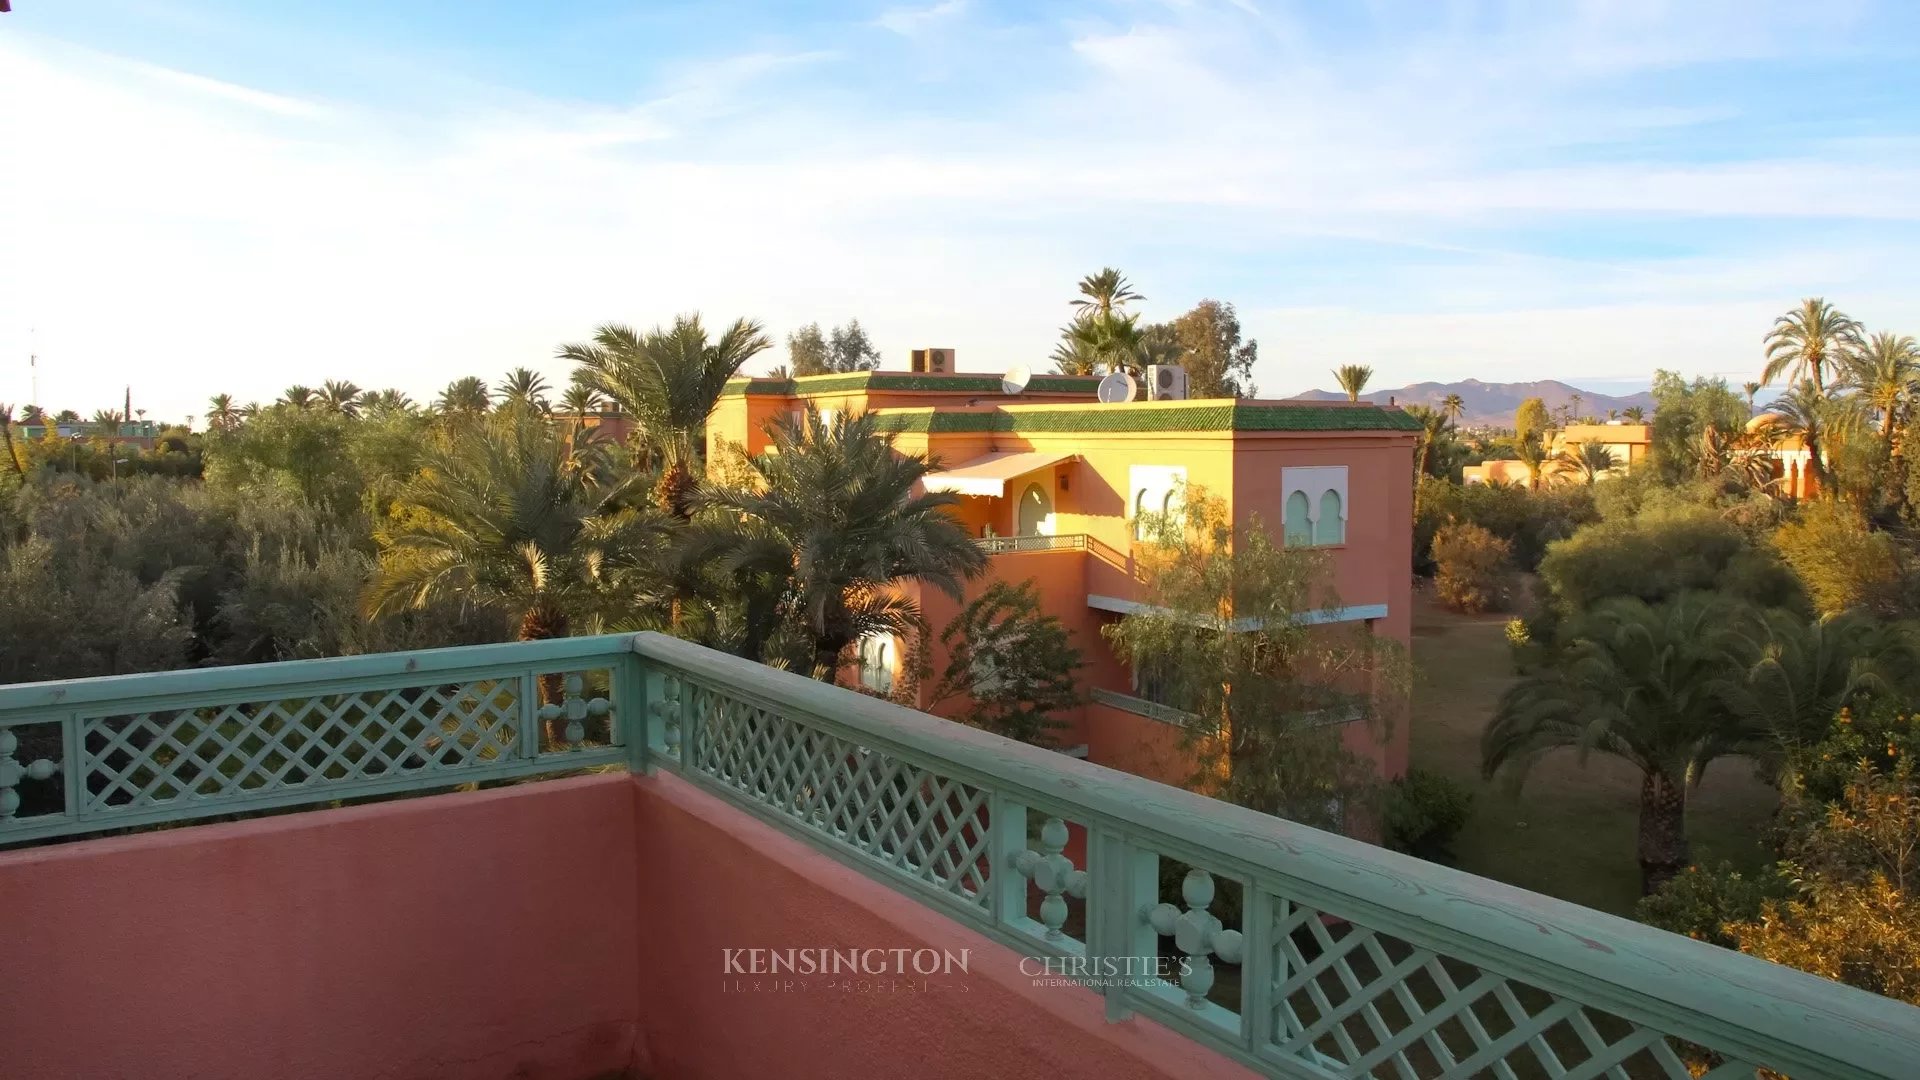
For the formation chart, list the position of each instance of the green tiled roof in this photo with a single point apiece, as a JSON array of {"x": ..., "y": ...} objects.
[
  {"x": 1214, "y": 416},
  {"x": 905, "y": 380}
]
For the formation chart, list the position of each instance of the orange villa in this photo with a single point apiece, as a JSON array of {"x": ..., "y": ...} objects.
[{"x": 1053, "y": 484}]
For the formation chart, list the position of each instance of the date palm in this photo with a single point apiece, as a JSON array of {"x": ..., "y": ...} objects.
[
  {"x": 297, "y": 396},
  {"x": 581, "y": 401},
  {"x": 340, "y": 397},
  {"x": 1752, "y": 390},
  {"x": 832, "y": 516},
  {"x": 6, "y": 441},
  {"x": 1820, "y": 422},
  {"x": 668, "y": 381},
  {"x": 107, "y": 421},
  {"x": 503, "y": 516},
  {"x": 1101, "y": 293},
  {"x": 1801, "y": 673},
  {"x": 1645, "y": 684},
  {"x": 466, "y": 396},
  {"x": 1353, "y": 378},
  {"x": 1590, "y": 460},
  {"x": 1886, "y": 372},
  {"x": 525, "y": 388},
  {"x": 1532, "y": 453},
  {"x": 1634, "y": 413},
  {"x": 222, "y": 413},
  {"x": 1453, "y": 406},
  {"x": 387, "y": 402},
  {"x": 1808, "y": 342}
]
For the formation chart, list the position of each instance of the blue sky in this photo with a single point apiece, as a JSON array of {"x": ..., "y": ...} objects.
[{"x": 201, "y": 196}]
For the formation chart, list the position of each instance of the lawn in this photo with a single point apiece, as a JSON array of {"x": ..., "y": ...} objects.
[{"x": 1570, "y": 831}]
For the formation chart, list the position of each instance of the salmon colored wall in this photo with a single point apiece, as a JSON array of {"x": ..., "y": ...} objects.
[
  {"x": 1138, "y": 744},
  {"x": 480, "y": 935},
  {"x": 711, "y": 878}
]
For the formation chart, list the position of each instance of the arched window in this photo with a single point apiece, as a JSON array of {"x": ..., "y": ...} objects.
[
  {"x": 1299, "y": 531},
  {"x": 876, "y": 663},
  {"x": 1140, "y": 514},
  {"x": 1330, "y": 527}
]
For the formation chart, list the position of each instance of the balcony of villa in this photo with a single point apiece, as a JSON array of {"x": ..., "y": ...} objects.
[{"x": 629, "y": 856}]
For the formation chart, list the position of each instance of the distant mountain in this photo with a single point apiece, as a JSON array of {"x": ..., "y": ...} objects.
[{"x": 1493, "y": 404}]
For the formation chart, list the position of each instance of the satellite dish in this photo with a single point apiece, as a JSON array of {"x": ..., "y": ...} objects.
[
  {"x": 1016, "y": 379},
  {"x": 1117, "y": 388}
]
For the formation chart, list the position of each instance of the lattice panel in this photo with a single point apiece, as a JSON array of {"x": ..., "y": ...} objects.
[
  {"x": 1358, "y": 1003},
  {"x": 154, "y": 758},
  {"x": 895, "y": 812}
]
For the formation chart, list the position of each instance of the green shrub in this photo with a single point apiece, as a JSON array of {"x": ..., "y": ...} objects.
[
  {"x": 1700, "y": 903},
  {"x": 1424, "y": 812},
  {"x": 1474, "y": 570}
]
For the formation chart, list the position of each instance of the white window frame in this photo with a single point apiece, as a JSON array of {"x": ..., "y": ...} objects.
[
  {"x": 877, "y": 653},
  {"x": 1154, "y": 489},
  {"x": 1314, "y": 481}
]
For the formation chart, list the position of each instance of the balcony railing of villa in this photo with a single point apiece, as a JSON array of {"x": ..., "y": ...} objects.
[
  {"x": 1008, "y": 545},
  {"x": 728, "y": 797}
]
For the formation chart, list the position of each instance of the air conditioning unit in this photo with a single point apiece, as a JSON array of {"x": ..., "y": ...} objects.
[
  {"x": 938, "y": 361},
  {"x": 1166, "y": 382}
]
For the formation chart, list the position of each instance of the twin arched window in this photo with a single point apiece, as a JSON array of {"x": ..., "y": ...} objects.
[
  {"x": 876, "y": 663},
  {"x": 1315, "y": 512}
]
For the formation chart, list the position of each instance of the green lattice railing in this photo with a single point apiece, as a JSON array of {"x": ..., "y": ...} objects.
[
  {"x": 94, "y": 754},
  {"x": 1300, "y": 953}
]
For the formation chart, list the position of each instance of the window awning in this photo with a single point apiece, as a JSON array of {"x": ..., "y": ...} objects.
[{"x": 988, "y": 475}]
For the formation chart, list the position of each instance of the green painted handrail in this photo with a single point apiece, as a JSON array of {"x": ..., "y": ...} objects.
[
  {"x": 797, "y": 752},
  {"x": 133, "y": 750},
  {"x": 1353, "y": 961}
]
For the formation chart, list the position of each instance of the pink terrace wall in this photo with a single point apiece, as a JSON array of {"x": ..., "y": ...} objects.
[
  {"x": 488, "y": 934},
  {"x": 712, "y": 879},
  {"x": 557, "y": 931}
]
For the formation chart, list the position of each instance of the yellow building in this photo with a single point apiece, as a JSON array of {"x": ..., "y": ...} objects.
[{"x": 1628, "y": 443}]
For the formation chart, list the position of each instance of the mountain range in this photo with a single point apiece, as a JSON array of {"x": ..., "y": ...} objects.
[{"x": 1493, "y": 404}]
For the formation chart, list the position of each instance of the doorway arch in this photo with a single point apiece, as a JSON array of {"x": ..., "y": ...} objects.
[{"x": 1035, "y": 514}]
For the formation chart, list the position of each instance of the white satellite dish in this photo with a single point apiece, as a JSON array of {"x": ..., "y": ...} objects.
[
  {"x": 1117, "y": 388},
  {"x": 1016, "y": 379}
]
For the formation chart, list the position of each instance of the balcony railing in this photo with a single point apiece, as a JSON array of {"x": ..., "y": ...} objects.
[
  {"x": 1007, "y": 545},
  {"x": 1297, "y": 952}
]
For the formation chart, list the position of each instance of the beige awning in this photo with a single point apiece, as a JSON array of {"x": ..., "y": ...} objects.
[{"x": 988, "y": 475}]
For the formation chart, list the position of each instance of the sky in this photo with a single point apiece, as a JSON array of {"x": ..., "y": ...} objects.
[{"x": 205, "y": 196}]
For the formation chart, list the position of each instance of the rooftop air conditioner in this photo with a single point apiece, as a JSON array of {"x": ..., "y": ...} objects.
[
  {"x": 939, "y": 361},
  {"x": 1166, "y": 382}
]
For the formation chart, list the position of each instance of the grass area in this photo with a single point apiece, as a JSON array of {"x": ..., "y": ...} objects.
[{"x": 1570, "y": 831}]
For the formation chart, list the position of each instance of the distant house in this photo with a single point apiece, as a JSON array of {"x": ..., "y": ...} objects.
[
  {"x": 1628, "y": 443},
  {"x": 142, "y": 434}
]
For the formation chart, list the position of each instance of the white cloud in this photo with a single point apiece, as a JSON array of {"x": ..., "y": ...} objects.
[
  {"x": 1366, "y": 202},
  {"x": 912, "y": 22}
]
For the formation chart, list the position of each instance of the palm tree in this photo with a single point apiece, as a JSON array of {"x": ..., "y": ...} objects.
[
  {"x": 1634, "y": 413},
  {"x": 1102, "y": 292},
  {"x": 1454, "y": 407},
  {"x": 6, "y": 440},
  {"x": 1591, "y": 460},
  {"x": 299, "y": 397},
  {"x": 466, "y": 396},
  {"x": 1434, "y": 426},
  {"x": 833, "y": 515},
  {"x": 1644, "y": 684},
  {"x": 1802, "y": 672},
  {"x": 1100, "y": 343},
  {"x": 1817, "y": 420},
  {"x": 524, "y": 387},
  {"x": 389, "y": 402},
  {"x": 581, "y": 401},
  {"x": 1532, "y": 452},
  {"x": 668, "y": 381},
  {"x": 504, "y": 518},
  {"x": 1353, "y": 379},
  {"x": 1886, "y": 371},
  {"x": 341, "y": 398},
  {"x": 1806, "y": 342},
  {"x": 1752, "y": 389},
  {"x": 222, "y": 413},
  {"x": 107, "y": 421}
]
